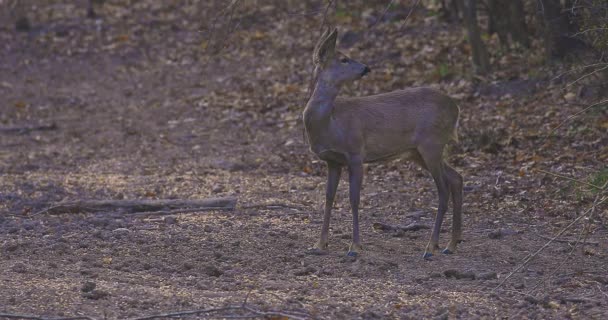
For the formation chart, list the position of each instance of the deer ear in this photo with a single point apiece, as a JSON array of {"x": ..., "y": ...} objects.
[{"x": 326, "y": 48}]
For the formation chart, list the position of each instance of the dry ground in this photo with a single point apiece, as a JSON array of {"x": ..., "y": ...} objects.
[{"x": 142, "y": 108}]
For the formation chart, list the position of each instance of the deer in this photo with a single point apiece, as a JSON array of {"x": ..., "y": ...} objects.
[{"x": 414, "y": 124}]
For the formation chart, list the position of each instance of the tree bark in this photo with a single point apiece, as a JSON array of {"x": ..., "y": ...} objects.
[
  {"x": 508, "y": 20},
  {"x": 517, "y": 17},
  {"x": 481, "y": 61},
  {"x": 556, "y": 27}
]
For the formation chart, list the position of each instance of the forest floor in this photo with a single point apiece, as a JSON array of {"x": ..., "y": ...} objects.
[{"x": 140, "y": 104}]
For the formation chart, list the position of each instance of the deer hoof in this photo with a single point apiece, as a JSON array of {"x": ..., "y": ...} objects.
[
  {"x": 353, "y": 254},
  {"x": 427, "y": 256},
  {"x": 447, "y": 251}
]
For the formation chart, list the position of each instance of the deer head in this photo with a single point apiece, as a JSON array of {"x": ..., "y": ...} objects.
[{"x": 333, "y": 67}]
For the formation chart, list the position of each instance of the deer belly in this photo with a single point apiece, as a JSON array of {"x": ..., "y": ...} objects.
[{"x": 332, "y": 156}]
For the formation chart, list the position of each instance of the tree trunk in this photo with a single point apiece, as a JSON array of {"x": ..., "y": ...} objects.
[
  {"x": 556, "y": 28},
  {"x": 508, "y": 20},
  {"x": 517, "y": 18},
  {"x": 481, "y": 61},
  {"x": 450, "y": 11}
]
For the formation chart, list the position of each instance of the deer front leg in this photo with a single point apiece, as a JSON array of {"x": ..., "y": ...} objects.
[
  {"x": 355, "y": 171},
  {"x": 333, "y": 178}
]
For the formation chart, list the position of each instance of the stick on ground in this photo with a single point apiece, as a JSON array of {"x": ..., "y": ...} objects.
[{"x": 172, "y": 206}]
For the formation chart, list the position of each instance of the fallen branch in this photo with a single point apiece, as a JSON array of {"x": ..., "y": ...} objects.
[
  {"x": 574, "y": 116},
  {"x": 142, "y": 207},
  {"x": 29, "y": 317},
  {"x": 572, "y": 179},
  {"x": 26, "y": 129},
  {"x": 531, "y": 256},
  {"x": 569, "y": 241},
  {"x": 273, "y": 206},
  {"x": 410, "y": 227},
  {"x": 249, "y": 311}
]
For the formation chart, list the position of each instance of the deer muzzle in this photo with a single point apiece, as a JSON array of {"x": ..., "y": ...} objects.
[{"x": 365, "y": 71}]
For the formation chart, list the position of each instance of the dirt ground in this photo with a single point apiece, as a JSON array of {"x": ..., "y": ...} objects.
[{"x": 140, "y": 104}]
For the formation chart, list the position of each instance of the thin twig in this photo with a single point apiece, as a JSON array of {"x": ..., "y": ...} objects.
[
  {"x": 273, "y": 205},
  {"x": 533, "y": 255},
  {"x": 244, "y": 307},
  {"x": 586, "y": 75},
  {"x": 575, "y": 115},
  {"x": 563, "y": 261},
  {"x": 571, "y": 179},
  {"x": 577, "y": 69},
  {"x": 177, "y": 211},
  {"x": 26, "y": 129},
  {"x": 30, "y": 317},
  {"x": 185, "y": 313},
  {"x": 568, "y": 241},
  {"x": 403, "y": 23},
  {"x": 388, "y": 6},
  {"x": 267, "y": 314}
]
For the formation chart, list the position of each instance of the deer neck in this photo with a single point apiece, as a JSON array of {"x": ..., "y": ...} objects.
[{"x": 320, "y": 105}]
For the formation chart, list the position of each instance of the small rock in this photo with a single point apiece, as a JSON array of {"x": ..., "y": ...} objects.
[
  {"x": 531, "y": 299},
  {"x": 95, "y": 294},
  {"x": 212, "y": 271},
  {"x": 451, "y": 273},
  {"x": 19, "y": 268},
  {"x": 434, "y": 275},
  {"x": 170, "y": 220},
  {"x": 415, "y": 215},
  {"x": 304, "y": 271},
  {"x": 121, "y": 230},
  {"x": 570, "y": 96},
  {"x": 208, "y": 228},
  {"x": 10, "y": 247},
  {"x": 487, "y": 276},
  {"x": 88, "y": 286},
  {"x": 499, "y": 233},
  {"x": 217, "y": 188}
]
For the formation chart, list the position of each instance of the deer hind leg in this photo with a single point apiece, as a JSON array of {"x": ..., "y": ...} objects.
[
  {"x": 432, "y": 156},
  {"x": 455, "y": 185}
]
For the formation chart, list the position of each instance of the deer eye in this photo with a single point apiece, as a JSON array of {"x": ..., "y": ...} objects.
[{"x": 344, "y": 60}]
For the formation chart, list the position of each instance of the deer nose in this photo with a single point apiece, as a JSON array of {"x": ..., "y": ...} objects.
[{"x": 366, "y": 71}]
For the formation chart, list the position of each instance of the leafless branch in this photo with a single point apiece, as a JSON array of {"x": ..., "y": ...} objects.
[
  {"x": 579, "y": 69},
  {"x": 388, "y": 6},
  {"x": 568, "y": 241},
  {"x": 274, "y": 205},
  {"x": 581, "y": 239},
  {"x": 142, "y": 207},
  {"x": 531, "y": 256},
  {"x": 26, "y": 129},
  {"x": 588, "y": 30},
  {"x": 587, "y": 75},
  {"x": 213, "y": 313},
  {"x": 576, "y": 115},
  {"x": 30, "y": 317},
  {"x": 572, "y": 179},
  {"x": 186, "y": 313},
  {"x": 212, "y": 30},
  {"x": 404, "y": 22}
]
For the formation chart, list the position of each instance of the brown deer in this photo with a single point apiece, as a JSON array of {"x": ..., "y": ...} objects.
[{"x": 414, "y": 124}]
